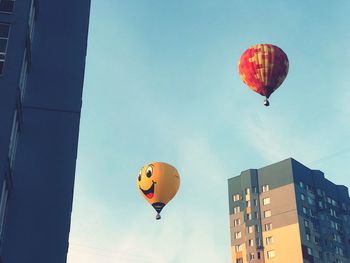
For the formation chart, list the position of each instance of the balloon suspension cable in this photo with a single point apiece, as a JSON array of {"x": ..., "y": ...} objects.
[
  {"x": 266, "y": 102},
  {"x": 158, "y": 216}
]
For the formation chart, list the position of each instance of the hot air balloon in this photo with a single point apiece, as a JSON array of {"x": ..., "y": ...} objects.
[
  {"x": 158, "y": 183},
  {"x": 263, "y": 68}
]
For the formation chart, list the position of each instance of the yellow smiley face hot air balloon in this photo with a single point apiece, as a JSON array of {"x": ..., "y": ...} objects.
[{"x": 158, "y": 183}]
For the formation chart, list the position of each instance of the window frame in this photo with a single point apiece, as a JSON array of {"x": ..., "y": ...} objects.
[
  {"x": 13, "y": 6},
  {"x": 239, "y": 248},
  {"x": 266, "y": 201},
  {"x": 309, "y": 251},
  {"x": 237, "y": 222},
  {"x": 269, "y": 240},
  {"x": 267, "y": 213},
  {"x": 236, "y": 197},
  {"x": 271, "y": 254},
  {"x": 238, "y": 235},
  {"x": 265, "y": 188},
  {"x": 250, "y": 229},
  {"x": 3, "y": 54},
  {"x": 268, "y": 226}
]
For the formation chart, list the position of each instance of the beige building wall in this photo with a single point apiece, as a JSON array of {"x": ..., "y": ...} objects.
[
  {"x": 285, "y": 232},
  {"x": 285, "y": 243}
]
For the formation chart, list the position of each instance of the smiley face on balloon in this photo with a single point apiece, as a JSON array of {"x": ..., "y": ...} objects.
[{"x": 158, "y": 183}]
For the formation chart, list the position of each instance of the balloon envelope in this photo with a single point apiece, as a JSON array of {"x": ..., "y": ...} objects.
[
  {"x": 263, "y": 68},
  {"x": 158, "y": 183}
]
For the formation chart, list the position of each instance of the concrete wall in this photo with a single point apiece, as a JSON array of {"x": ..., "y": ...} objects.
[
  {"x": 39, "y": 207},
  {"x": 10, "y": 79}
]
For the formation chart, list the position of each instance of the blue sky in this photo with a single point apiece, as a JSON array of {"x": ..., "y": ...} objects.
[{"x": 161, "y": 84}]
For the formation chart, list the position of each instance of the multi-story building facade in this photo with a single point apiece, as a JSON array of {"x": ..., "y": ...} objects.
[
  {"x": 288, "y": 213},
  {"x": 42, "y": 59}
]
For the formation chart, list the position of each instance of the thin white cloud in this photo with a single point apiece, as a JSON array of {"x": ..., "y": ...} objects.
[
  {"x": 275, "y": 139},
  {"x": 175, "y": 238}
]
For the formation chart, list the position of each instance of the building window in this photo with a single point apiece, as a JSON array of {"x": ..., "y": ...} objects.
[
  {"x": 238, "y": 235},
  {"x": 237, "y": 222},
  {"x": 304, "y": 210},
  {"x": 332, "y": 224},
  {"x": 258, "y": 241},
  {"x": 268, "y": 226},
  {"x": 255, "y": 189},
  {"x": 316, "y": 239},
  {"x": 266, "y": 201},
  {"x": 301, "y": 184},
  {"x": 236, "y": 197},
  {"x": 309, "y": 251},
  {"x": 302, "y": 197},
  {"x": 310, "y": 200},
  {"x": 249, "y": 216},
  {"x": 247, "y": 191},
  {"x": 339, "y": 251},
  {"x": 257, "y": 228},
  {"x": 336, "y": 238},
  {"x": 7, "y": 6},
  {"x": 306, "y": 223},
  {"x": 312, "y": 213},
  {"x": 265, "y": 188},
  {"x": 256, "y": 215},
  {"x": 4, "y": 37},
  {"x": 269, "y": 240},
  {"x": 250, "y": 229},
  {"x": 255, "y": 202},
  {"x": 258, "y": 255},
  {"x": 251, "y": 256},
  {"x": 319, "y": 192},
  {"x": 251, "y": 242},
  {"x": 267, "y": 213},
  {"x": 320, "y": 204},
  {"x": 236, "y": 209},
  {"x": 271, "y": 254},
  {"x": 239, "y": 248},
  {"x": 332, "y": 212},
  {"x": 337, "y": 227},
  {"x": 308, "y": 237}
]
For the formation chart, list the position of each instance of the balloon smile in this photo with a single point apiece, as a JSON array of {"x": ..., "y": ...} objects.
[{"x": 149, "y": 192}]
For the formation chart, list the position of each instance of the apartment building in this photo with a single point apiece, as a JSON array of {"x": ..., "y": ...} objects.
[
  {"x": 42, "y": 60},
  {"x": 288, "y": 213}
]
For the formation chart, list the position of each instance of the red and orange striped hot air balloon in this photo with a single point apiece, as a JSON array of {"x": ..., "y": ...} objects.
[{"x": 263, "y": 68}]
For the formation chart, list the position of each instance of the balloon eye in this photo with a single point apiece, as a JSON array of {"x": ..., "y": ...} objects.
[
  {"x": 139, "y": 176},
  {"x": 149, "y": 172}
]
